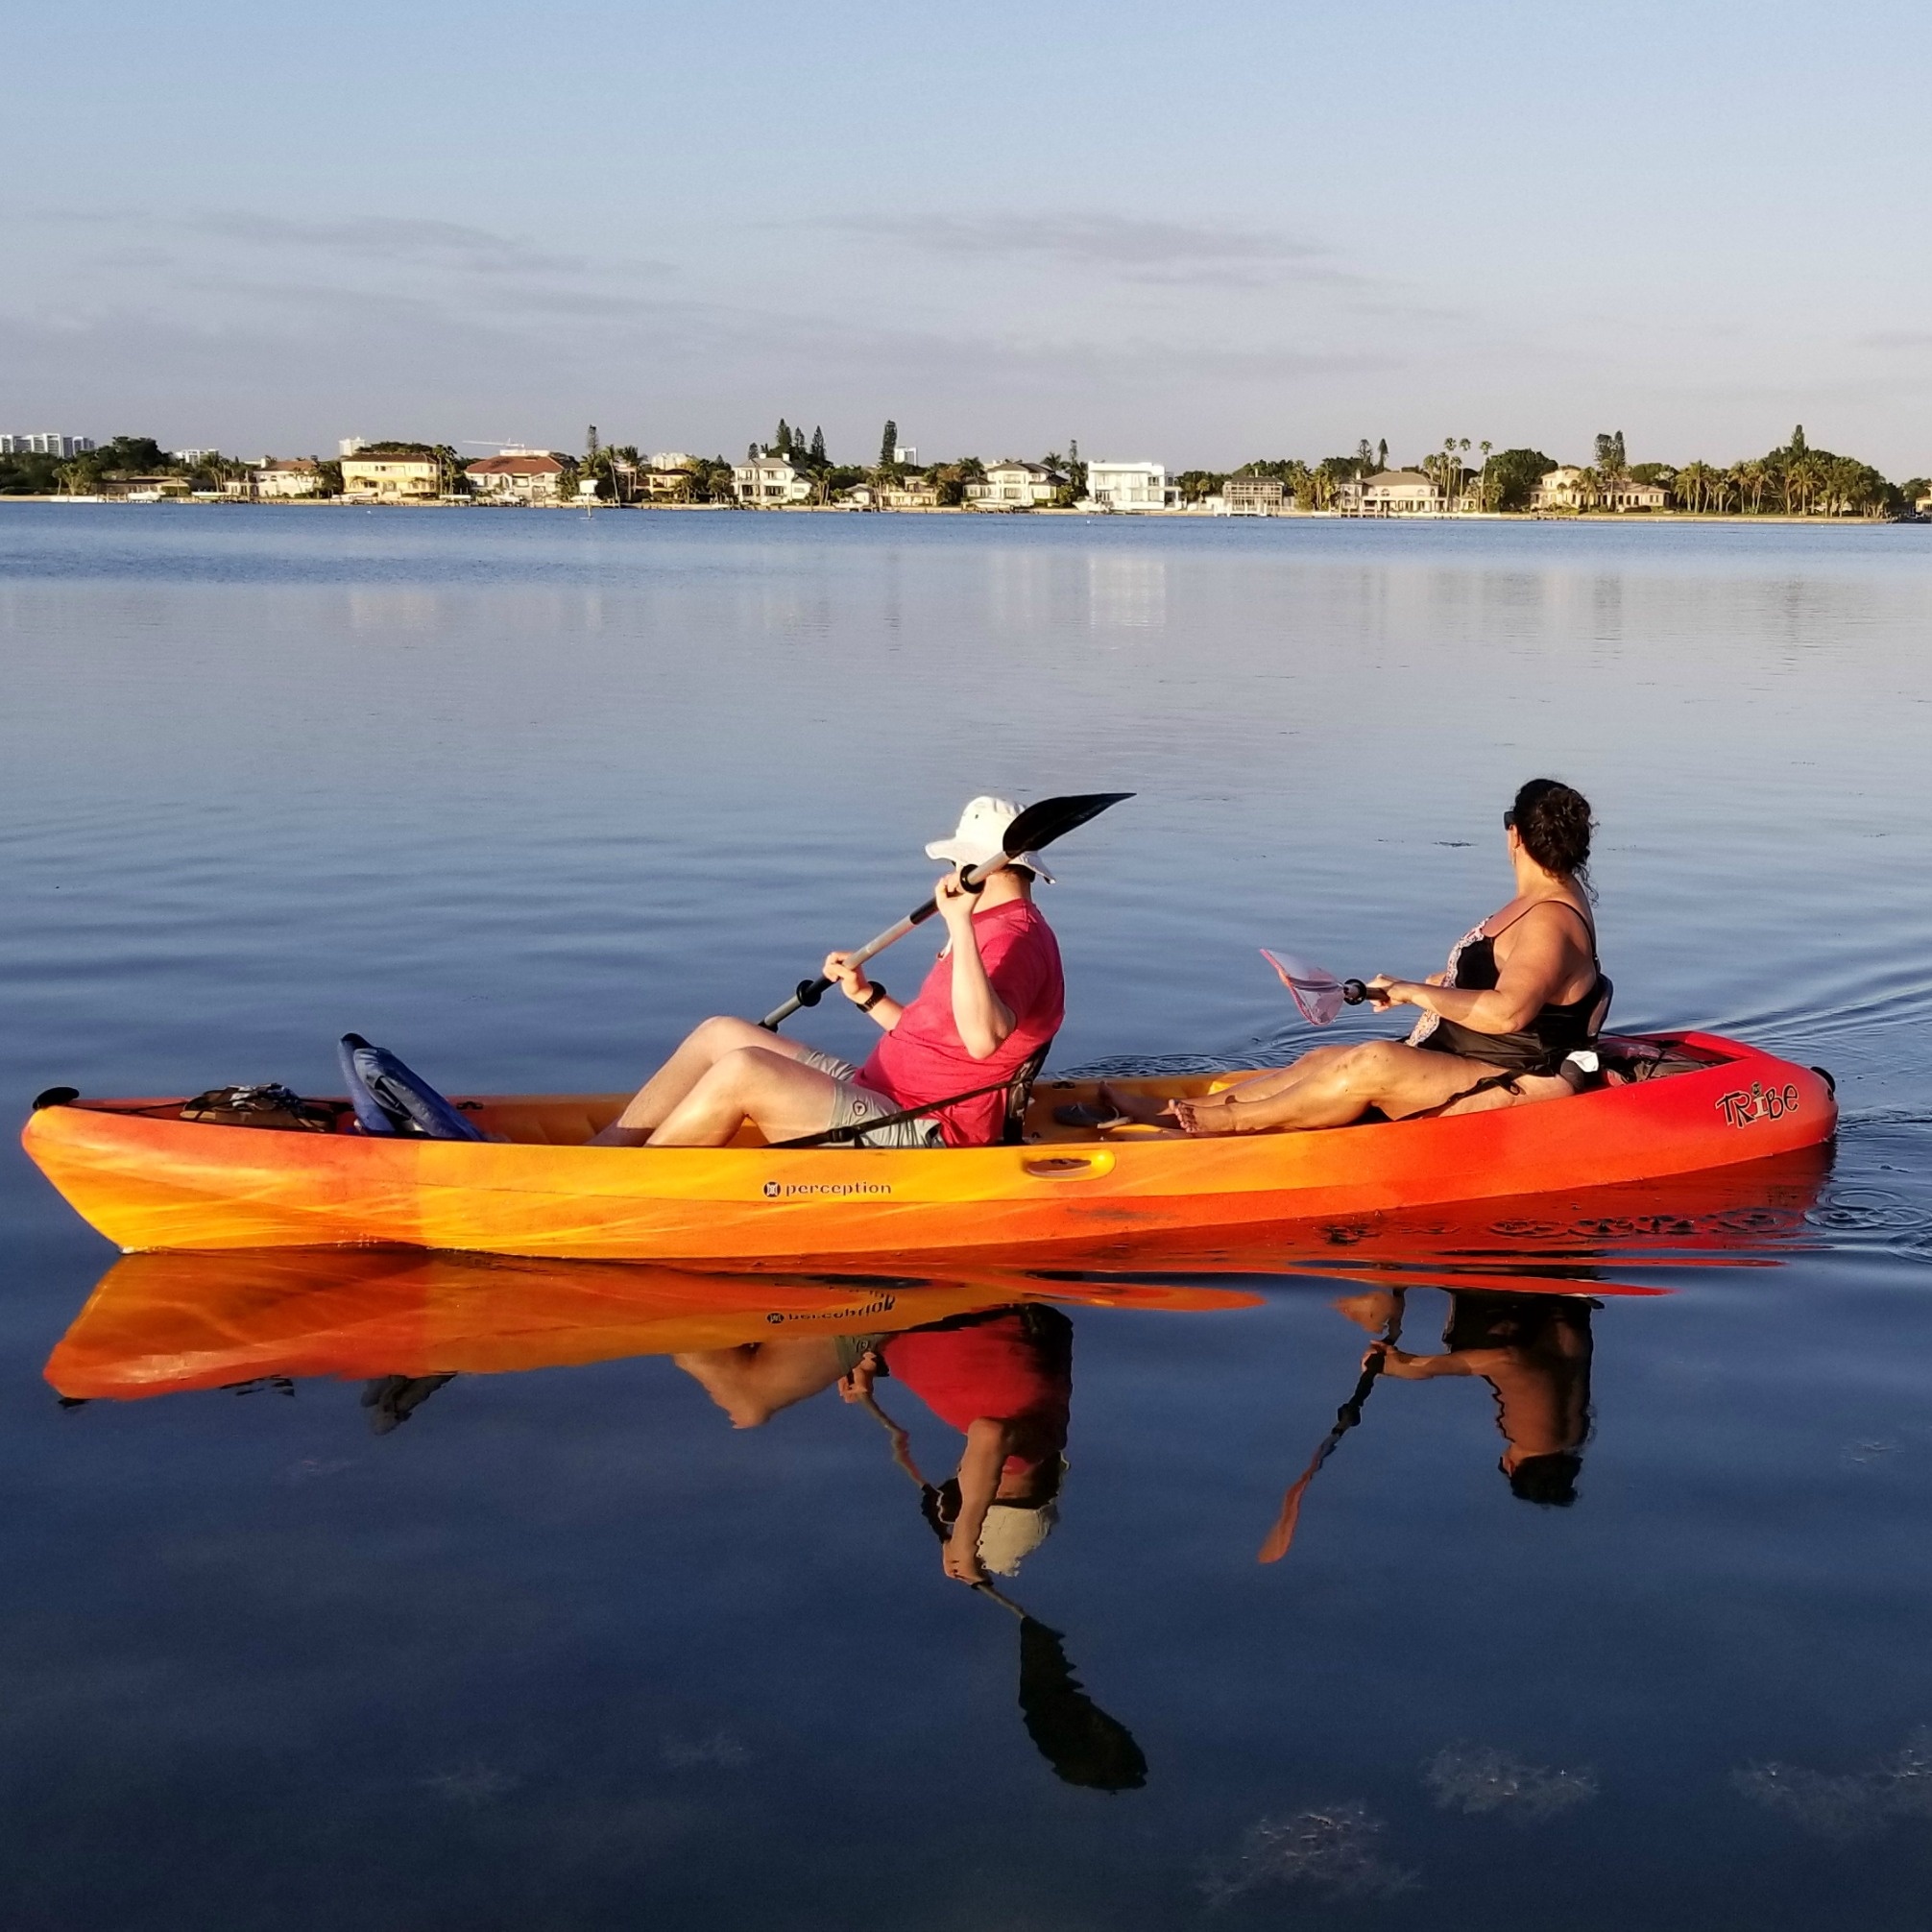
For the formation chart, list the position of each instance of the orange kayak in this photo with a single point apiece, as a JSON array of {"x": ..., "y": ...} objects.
[{"x": 150, "y": 1180}]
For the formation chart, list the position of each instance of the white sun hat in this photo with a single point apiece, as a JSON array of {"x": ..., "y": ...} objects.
[
  {"x": 980, "y": 835},
  {"x": 1012, "y": 1533}
]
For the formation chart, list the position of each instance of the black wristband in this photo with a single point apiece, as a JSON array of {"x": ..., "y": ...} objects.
[{"x": 873, "y": 998}]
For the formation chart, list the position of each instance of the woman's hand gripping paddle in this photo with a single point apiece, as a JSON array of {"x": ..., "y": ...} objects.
[
  {"x": 1275, "y": 1548},
  {"x": 1316, "y": 990},
  {"x": 1038, "y": 825}
]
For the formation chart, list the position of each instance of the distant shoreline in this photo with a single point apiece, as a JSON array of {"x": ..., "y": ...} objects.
[{"x": 1597, "y": 518}]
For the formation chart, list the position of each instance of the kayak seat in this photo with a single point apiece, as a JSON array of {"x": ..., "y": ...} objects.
[
  {"x": 1019, "y": 1097},
  {"x": 392, "y": 1099}
]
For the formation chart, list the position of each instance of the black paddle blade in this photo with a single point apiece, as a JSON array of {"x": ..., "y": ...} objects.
[
  {"x": 1054, "y": 817},
  {"x": 1071, "y": 1732}
]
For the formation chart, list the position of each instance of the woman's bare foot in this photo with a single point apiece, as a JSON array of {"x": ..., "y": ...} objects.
[{"x": 1212, "y": 1116}]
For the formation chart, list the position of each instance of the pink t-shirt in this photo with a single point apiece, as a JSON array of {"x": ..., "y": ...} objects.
[{"x": 923, "y": 1057}]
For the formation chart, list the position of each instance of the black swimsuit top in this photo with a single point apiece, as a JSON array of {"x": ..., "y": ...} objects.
[{"x": 1555, "y": 1030}]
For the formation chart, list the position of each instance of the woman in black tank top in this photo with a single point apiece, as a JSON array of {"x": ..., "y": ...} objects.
[{"x": 1521, "y": 991}]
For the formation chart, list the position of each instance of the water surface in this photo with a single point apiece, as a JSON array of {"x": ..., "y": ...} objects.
[{"x": 550, "y": 1643}]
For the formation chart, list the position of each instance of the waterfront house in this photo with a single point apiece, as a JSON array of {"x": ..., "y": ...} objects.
[
  {"x": 1627, "y": 494},
  {"x": 1393, "y": 493},
  {"x": 280, "y": 477},
  {"x": 1568, "y": 488},
  {"x": 1559, "y": 489},
  {"x": 1012, "y": 485},
  {"x": 1128, "y": 486},
  {"x": 1252, "y": 496},
  {"x": 909, "y": 493},
  {"x": 145, "y": 489},
  {"x": 392, "y": 479},
  {"x": 770, "y": 483},
  {"x": 517, "y": 476}
]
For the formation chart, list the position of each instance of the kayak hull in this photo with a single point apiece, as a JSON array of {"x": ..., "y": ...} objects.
[{"x": 148, "y": 1180}]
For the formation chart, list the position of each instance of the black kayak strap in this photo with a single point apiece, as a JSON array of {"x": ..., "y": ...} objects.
[{"x": 859, "y": 1129}]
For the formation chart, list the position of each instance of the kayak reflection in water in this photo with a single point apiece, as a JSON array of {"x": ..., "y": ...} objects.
[
  {"x": 1534, "y": 1351},
  {"x": 1521, "y": 992},
  {"x": 1003, "y": 1379}
]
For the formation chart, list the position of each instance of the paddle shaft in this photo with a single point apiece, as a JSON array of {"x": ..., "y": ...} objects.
[
  {"x": 1345, "y": 1419},
  {"x": 811, "y": 991}
]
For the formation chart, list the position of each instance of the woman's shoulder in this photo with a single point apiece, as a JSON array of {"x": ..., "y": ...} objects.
[{"x": 1578, "y": 920}]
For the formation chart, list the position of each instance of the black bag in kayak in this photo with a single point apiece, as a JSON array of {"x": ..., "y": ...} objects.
[
  {"x": 389, "y": 1097},
  {"x": 270, "y": 1106}
]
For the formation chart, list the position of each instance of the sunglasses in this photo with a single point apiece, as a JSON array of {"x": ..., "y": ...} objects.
[{"x": 1509, "y": 821}]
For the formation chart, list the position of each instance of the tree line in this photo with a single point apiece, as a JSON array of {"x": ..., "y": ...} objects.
[{"x": 1792, "y": 480}]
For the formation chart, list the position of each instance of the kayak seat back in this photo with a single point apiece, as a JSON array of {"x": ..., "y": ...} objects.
[
  {"x": 390, "y": 1097},
  {"x": 1020, "y": 1095},
  {"x": 1601, "y": 1011}
]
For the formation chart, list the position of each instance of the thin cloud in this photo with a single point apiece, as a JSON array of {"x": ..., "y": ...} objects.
[
  {"x": 1900, "y": 338},
  {"x": 389, "y": 239},
  {"x": 1132, "y": 247}
]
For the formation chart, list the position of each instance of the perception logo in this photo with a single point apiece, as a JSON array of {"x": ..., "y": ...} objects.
[{"x": 794, "y": 1189}]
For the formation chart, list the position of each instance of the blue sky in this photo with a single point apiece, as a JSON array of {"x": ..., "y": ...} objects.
[{"x": 1199, "y": 232}]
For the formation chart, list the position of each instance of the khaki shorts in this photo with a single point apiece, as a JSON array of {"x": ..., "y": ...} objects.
[{"x": 854, "y": 1103}]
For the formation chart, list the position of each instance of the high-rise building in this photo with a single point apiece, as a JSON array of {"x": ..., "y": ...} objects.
[
  {"x": 45, "y": 443},
  {"x": 350, "y": 445}
]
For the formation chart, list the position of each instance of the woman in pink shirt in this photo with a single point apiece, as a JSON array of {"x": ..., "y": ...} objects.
[{"x": 993, "y": 999}]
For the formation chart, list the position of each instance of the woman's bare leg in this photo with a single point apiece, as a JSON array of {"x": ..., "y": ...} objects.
[
  {"x": 1258, "y": 1087},
  {"x": 1399, "y": 1079},
  {"x": 700, "y": 1051}
]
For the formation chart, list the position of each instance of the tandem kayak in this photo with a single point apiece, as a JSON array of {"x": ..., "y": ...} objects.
[{"x": 148, "y": 1179}]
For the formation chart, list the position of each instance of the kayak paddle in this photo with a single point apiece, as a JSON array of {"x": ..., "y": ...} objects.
[
  {"x": 1316, "y": 990},
  {"x": 1039, "y": 825},
  {"x": 1275, "y": 1548}
]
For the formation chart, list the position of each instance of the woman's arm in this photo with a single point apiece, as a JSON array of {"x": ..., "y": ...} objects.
[
  {"x": 983, "y": 1019},
  {"x": 1542, "y": 960}
]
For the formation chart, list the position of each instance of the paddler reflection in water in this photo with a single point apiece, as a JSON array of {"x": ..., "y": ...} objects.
[
  {"x": 1534, "y": 1351},
  {"x": 1521, "y": 993},
  {"x": 1003, "y": 1378}
]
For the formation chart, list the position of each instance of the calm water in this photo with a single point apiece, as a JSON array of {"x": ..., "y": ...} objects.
[{"x": 522, "y": 797}]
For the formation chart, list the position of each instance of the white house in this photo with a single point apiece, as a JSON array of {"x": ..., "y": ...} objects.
[
  {"x": 1393, "y": 493},
  {"x": 1127, "y": 486},
  {"x": 1627, "y": 494},
  {"x": 294, "y": 476},
  {"x": 1565, "y": 488},
  {"x": 1012, "y": 485},
  {"x": 1252, "y": 496},
  {"x": 1559, "y": 489},
  {"x": 909, "y": 493},
  {"x": 770, "y": 483},
  {"x": 519, "y": 476}
]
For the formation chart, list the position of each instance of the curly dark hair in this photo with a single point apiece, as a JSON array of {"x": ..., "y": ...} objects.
[{"x": 1554, "y": 822}]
